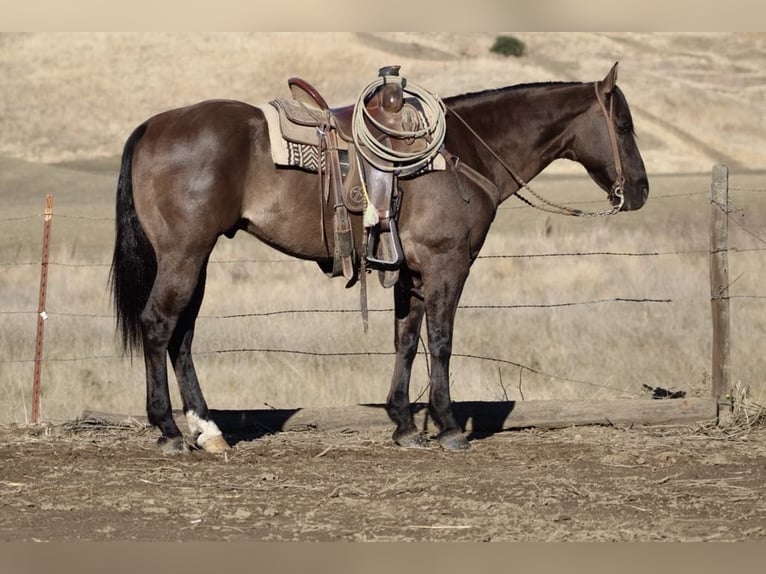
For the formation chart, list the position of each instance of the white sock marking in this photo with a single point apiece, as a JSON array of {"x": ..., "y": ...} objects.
[{"x": 204, "y": 429}]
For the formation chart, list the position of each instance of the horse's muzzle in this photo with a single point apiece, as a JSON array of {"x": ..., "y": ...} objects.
[{"x": 635, "y": 196}]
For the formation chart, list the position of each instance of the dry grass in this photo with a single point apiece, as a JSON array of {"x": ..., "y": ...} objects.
[
  {"x": 599, "y": 350},
  {"x": 82, "y": 99}
]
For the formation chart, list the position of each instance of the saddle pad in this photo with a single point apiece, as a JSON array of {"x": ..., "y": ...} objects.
[{"x": 286, "y": 152}]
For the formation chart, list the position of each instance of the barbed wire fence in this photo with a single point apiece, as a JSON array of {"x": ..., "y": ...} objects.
[{"x": 756, "y": 242}]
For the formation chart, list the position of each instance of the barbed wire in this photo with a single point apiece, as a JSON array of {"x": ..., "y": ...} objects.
[
  {"x": 473, "y": 307},
  {"x": 480, "y": 257},
  {"x": 504, "y": 206},
  {"x": 85, "y": 217},
  {"x": 700, "y": 251},
  {"x": 53, "y": 314},
  {"x": 326, "y": 354},
  {"x": 20, "y": 218},
  {"x": 751, "y": 233},
  {"x": 54, "y": 264},
  {"x": 352, "y": 354},
  {"x": 594, "y": 254},
  {"x": 57, "y": 215}
]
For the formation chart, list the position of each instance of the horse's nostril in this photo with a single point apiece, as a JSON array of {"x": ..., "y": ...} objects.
[{"x": 637, "y": 199}]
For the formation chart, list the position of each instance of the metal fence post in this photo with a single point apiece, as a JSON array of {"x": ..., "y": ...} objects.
[{"x": 41, "y": 314}]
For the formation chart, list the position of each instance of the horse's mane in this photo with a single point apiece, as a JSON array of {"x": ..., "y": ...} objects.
[
  {"x": 494, "y": 92},
  {"x": 504, "y": 89}
]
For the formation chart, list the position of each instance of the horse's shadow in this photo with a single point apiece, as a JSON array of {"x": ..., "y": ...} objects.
[
  {"x": 486, "y": 419},
  {"x": 249, "y": 425}
]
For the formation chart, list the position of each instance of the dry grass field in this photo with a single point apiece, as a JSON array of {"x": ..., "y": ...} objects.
[
  {"x": 69, "y": 101},
  {"x": 543, "y": 315}
]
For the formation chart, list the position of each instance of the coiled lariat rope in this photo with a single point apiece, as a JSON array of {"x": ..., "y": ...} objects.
[{"x": 382, "y": 155}]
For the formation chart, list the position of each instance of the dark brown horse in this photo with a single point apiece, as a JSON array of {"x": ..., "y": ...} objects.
[{"x": 193, "y": 174}]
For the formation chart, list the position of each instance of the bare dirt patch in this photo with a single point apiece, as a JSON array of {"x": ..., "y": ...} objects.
[{"x": 80, "y": 482}]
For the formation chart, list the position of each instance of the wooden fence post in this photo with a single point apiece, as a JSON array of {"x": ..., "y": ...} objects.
[
  {"x": 719, "y": 281},
  {"x": 41, "y": 314}
]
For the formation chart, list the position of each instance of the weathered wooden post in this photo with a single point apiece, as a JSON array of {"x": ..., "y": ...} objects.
[
  {"x": 41, "y": 314},
  {"x": 719, "y": 281}
]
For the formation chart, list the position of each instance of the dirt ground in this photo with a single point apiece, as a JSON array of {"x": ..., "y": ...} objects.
[{"x": 88, "y": 482}]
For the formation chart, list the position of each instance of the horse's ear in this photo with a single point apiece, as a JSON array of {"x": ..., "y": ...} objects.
[{"x": 607, "y": 84}]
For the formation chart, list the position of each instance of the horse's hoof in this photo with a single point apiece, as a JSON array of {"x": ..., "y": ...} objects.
[
  {"x": 172, "y": 445},
  {"x": 215, "y": 445},
  {"x": 454, "y": 441},
  {"x": 411, "y": 440}
]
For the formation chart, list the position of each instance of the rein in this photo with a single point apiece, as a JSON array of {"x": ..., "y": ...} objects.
[{"x": 617, "y": 189}]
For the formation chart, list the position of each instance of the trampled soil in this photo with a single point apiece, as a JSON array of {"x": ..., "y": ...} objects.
[{"x": 77, "y": 482}]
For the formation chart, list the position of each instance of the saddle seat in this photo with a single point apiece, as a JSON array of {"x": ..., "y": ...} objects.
[{"x": 387, "y": 106}]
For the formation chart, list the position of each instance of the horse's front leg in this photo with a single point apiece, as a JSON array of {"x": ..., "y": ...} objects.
[
  {"x": 408, "y": 318},
  {"x": 442, "y": 291}
]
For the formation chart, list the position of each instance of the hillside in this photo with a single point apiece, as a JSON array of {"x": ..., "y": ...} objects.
[{"x": 697, "y": 98}]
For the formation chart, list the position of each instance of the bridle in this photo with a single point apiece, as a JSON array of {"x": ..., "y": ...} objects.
[{"x": 616, "y": 191}]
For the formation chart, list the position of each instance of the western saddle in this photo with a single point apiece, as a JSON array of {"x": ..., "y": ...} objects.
[{"x": 362, "y": 151}]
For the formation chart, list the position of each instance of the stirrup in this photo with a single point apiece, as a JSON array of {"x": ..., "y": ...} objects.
[{"x": 374, "y": 238}]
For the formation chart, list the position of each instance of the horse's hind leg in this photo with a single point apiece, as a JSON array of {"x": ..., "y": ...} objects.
[
  {"x": 173, "y": 289},
  {"x": 408, "y": 316},
  {"x": 204, "y": 430}
]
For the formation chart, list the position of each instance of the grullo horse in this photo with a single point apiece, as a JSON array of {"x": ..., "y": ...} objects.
[{"x": 192, "y": 174}]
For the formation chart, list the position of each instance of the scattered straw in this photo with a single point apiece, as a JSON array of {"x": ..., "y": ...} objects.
[
  {"x": 747, "y": 412},
  {"x": 93, "y": 423}
]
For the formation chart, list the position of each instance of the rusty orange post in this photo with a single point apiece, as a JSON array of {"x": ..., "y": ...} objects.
[{"x": 41, "y": 314}]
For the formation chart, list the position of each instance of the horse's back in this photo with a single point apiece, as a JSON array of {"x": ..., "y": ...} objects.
[
  {"x": 211, "y": 130},
  {"x": 192, "y": 166}
]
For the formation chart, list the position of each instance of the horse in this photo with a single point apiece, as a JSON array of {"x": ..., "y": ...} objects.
[{"x": 192, "y": 174}]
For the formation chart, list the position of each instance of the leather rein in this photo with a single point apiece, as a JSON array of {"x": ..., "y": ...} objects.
[{"x": 615, "y": 192}]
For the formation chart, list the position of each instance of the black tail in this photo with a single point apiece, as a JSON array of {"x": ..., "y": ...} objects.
[{"x": 134, "y": 263}]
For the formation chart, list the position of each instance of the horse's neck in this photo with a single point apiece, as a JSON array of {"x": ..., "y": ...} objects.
[{"x": 526, "y": 126}]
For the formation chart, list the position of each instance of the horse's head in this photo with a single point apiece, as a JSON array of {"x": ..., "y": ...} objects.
[{"x": 605, "y": 145}]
